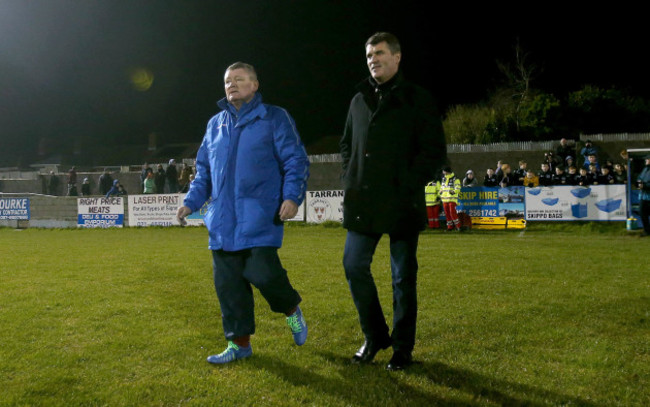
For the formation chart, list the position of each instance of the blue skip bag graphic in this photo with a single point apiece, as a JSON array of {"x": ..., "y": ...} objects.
[
  {"x": 550, "y": 201},
  {"x": 609, "y": 205},
  {"x": 579, "y": 210},
  {"x": 581, "y": 192},
  {"x": 534, "y": 191}
]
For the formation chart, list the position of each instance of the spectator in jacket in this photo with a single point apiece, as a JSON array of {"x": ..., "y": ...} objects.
[
  {"x": 253, "y": 188},
  {"x": 184, "y": 179},
  {"x": 499, "y": 170},
  {"x": 605, "y": 177},
  {"x": 506, "y": 179},
  {"x": 105, "y": 182},
  {"x": 384, "y": 184},
  {"x": 582, "y": 179},
  {"x": 643, "y": 183},
  {"x": 53, "y": 184},
  {"x": 550, "y": 159},
  {"x": 569, "y": 162},
  {"x": 587, "y": 150},
  {"x": 560, "y": 177},
  {"x": 593, "y": 174},
  {"x": 571, "y": 175},
  {"x": 531, "y": 180},
  {"x": 85, "y": 187},
  {"x": 143, "y": 174},
  {"x": 564, "y": 150},
  {"x": 116, "y": 189},
  {"x": 72, "y": 181},
  {"x": 545, "y": 175},
  {"x": 620, "y": 175},
  {"x": 490, "y": 179},
  {"x": 592, "y": 160},
  {"x": 624, "y": 156},
  {"x": 172, "y": 176},
  {"x": 159, "y": 179},
  {"x": 469, "y": 180},
  {"x": 520, "y": 173},
  {"x": 149, "y": 184}
]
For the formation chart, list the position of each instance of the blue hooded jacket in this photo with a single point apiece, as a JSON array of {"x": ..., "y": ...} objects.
[
  {"x": 114, "y": 189},
  {"x": 249, "y": 162}
]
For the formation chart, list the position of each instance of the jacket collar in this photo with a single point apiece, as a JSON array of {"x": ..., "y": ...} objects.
[
  {"x": 248, "y": 111},
  {"x": 368, "y": 85}
]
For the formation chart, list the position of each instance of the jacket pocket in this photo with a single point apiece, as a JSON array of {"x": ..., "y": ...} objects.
[{"x": 257, "y": 217}]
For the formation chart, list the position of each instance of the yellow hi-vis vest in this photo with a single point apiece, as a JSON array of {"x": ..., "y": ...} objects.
[
  {"x": 450, "y": 188},
  {"x": 432, "y": 193}
]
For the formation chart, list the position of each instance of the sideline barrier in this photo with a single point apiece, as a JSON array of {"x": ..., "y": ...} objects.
[
  {"x": 571, "y": 203},
  {"x": 488, "y": 207}
]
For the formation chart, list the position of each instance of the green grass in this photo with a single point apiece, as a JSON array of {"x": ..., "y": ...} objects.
[{"x": 555, "y": 315}]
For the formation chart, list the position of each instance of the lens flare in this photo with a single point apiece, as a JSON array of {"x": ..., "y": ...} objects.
[{"x": 141, "y": 79}]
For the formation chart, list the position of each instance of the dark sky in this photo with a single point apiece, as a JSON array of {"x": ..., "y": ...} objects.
[{"x": 65, "y": 65}]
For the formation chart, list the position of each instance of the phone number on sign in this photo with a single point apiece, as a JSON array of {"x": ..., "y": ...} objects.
[{"x": 475, "y": 213}]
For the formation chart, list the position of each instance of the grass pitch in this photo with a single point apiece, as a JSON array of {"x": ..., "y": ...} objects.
[{"x": 554, "y": 315}]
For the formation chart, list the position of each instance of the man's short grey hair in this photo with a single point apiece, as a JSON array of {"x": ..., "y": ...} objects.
[
  {"x": 247, "y": 67},
  {"x": 390, "y": 39}
]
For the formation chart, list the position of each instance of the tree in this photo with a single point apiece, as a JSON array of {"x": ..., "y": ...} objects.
[
  {"x": 519, "y": 75},
  {"x": 596, "y": 110},
  {"x": 467, "y": 124}
]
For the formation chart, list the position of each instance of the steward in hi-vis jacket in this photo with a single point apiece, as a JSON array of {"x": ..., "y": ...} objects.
[
  {"x": 449, "y": 191},
  {"x": 432, "y": 200}
]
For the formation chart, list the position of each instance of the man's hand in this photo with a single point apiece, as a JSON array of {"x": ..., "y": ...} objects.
[
  {"x": 288, "y": 209},
  {"x": 182, "y": 212}
]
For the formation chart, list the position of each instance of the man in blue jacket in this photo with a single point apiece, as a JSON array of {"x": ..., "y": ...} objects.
[{"x": 252, "y": 167}]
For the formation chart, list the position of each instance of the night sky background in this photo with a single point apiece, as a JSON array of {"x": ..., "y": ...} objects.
[{"x": 65, "y": 66}]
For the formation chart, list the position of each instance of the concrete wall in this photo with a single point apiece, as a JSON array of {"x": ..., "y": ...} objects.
[{"x": 130, "y": 181}]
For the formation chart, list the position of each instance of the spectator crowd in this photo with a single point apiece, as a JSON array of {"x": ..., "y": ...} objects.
[
  {"x": 162, "y": 180},
  {"x": 559, "y": 168}
]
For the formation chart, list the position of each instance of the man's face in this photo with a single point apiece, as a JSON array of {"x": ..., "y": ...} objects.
[
  {"x": 544, "y": 167},
  {"x": 523, "y": 166},
  {"x": 592, "y": 158},
  {"x": 490, "y": 171},
  {"x": 382, "y": 63},
  {"x": 239, "y": 86},
  {"x": 563, "y": 142}
]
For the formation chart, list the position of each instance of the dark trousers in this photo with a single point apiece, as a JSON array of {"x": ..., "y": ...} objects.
[
  {"x": 234, "y": 272},
  {"x": 357, "y": 256},
  {"x": 645, "y": 215}
]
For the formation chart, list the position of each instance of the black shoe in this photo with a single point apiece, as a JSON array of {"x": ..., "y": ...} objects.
[
  {"x": 369, "y": 349},
  {"x": 399, "y": 361}
]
